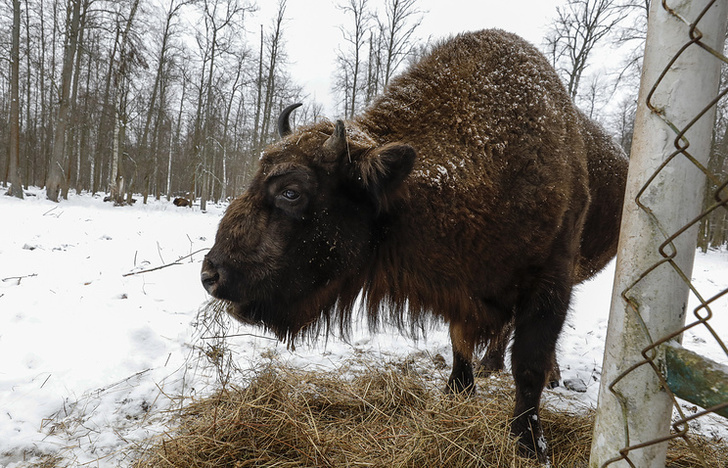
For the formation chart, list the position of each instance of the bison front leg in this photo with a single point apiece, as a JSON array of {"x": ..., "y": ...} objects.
[
  {"x": 463, "y": 344},
  {"x": 537, "y": 327}
]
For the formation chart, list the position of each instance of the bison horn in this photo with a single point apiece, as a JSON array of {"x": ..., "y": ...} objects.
[
  {"x": 336, "y": 143},
  {"x": 284, "y": 126}
]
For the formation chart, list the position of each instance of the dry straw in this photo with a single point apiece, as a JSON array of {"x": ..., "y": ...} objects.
[{"x": 384, "y": 415}]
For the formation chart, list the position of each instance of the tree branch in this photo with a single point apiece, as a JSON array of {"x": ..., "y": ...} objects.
[
  {"x": 176, "y": 262},
  {"x": 19, "y": 278}
]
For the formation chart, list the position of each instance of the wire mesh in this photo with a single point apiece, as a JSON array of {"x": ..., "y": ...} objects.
[{"x": 709, "y": 305}]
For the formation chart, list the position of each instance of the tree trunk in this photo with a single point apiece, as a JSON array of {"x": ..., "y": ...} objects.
[
  {"x": 273, "y": 65},
  {"x": 116, "y": 188},
  {"x": 145, "y": 150},
  {"x": 56, "y": 177},
  {"x": 206, "y": 126},
  {"x": 83, "y": 140},
  {"x": 106, "y": 114},
  {"x": 256, "y": 146},
  {"x": 176, "y": 141},
  {"x": 713, "y": 227},
  {"x": 226, "y": 126},
  {"x": 31, "y": 141},
  {"x": 73, "y": 157},
  {"x": 44, "y": 120},
  {"x": 16, "y": 187}
]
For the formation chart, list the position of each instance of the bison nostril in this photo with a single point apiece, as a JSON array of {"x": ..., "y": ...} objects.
[{"x": 209, "y": 278}]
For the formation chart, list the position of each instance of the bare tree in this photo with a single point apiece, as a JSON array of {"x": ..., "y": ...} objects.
[
  {"x": 714, "y": 226},
  {"x": 56, "y": 176},
  {"x": 73, "y": 150},
  {"x": 402, "y": 19},
  {"x": 350, "y": 61},
  {"x": 156, "y": 101},
  {"x": 126, "y": 56},
  {"x": 31, "y": 139},
  {"x": 177, "y": 132},
  {"x": 631, "y": 36},
  {"x": 274, "y": 56},
  {"x": 579, "y": 27},
  {"x": 220, "y": 20},
  {"x": 16, "y": 187},
  {"x": 374, "y": 64},
  {"x": 47, "y": 84},
  {"x": 623, "y": 126},
  {"x": 234, "y": 89},
  {"x": 91, "y": 115},
  {"x": 255, "y": 140},
  {"x": 106, "y": 109},
  {"x": 594, "y": 96}
]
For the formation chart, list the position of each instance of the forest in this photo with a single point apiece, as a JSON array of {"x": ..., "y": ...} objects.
[{"x": 177, "y": 98}]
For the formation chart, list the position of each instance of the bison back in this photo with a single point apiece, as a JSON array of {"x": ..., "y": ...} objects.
[
  {"x": 607, "y": 165},
  {"x": 500, "y": 163}
]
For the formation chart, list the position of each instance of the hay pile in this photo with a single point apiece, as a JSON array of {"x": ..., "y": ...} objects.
[{"x": 383, "y": 417}]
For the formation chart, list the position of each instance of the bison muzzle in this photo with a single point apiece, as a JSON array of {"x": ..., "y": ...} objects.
[{"x": 471, "y": 190}]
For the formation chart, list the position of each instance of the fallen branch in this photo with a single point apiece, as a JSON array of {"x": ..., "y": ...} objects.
[
  {"x": 51, "y": 210},
  {"x": 176, "y": 262},
  {"x": 19, "y": 278},
  {"x": 218, "y": 337}
]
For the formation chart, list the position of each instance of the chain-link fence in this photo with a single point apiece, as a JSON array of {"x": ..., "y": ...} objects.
[{"x": 647, "y": 374}]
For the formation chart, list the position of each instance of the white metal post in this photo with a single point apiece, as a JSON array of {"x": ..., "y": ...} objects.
[{"x": 637, "y": 410}]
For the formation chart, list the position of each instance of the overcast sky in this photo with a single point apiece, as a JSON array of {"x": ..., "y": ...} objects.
[{"x": 312, "y": 33}]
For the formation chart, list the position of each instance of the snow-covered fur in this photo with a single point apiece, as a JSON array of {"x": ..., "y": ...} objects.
[{"x": 462, "y": 192}]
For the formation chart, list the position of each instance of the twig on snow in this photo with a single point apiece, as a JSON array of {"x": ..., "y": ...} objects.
[
  {"x": 159, "y": 252},
  {"x": 176, "y": 262},
  {"x": 19, "y": 278},
  {"x": 51, "y": 210},
  {"x": 238, "y": 334}
]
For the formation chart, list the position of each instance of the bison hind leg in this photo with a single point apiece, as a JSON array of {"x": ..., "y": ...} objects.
[
  {"x": 554, "y": 376},
  {"x": 494, "y": 358},
  {"x": 492, "y": 363},
  {"x": 462, "y": 380}
]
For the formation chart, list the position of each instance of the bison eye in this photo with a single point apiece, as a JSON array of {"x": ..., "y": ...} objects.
[{"x": 290, "y": 195}]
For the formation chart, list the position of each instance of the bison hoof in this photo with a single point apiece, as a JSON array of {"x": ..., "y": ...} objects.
[
  {"x": 554, "y": 376},
  {"x": 531, "y": 442},
  {"x": 458, "y": 387}
]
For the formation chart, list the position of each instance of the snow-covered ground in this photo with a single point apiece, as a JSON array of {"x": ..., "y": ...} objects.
[{"x": 91, "y": 356}]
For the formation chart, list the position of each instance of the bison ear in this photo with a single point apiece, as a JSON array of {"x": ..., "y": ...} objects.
[{"x": 383, "y": 170}]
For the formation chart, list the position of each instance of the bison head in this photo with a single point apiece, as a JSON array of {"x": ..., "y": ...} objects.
[{"x": 296, "y": 246}]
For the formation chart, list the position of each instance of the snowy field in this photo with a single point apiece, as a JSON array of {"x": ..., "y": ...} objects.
[{"x": 93, "y": 351}]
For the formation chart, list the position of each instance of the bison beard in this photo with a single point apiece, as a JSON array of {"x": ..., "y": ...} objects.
[{"x": 471, "y": 190}]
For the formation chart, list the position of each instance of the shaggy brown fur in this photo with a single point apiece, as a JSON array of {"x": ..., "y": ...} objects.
[
  {"x": 461, "y": 192},
  {"x": 180, "y": 201},
  {"x": 607, "y": 167}
]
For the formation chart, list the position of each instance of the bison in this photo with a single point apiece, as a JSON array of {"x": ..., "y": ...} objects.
[
  {"x": 182, "y": 201},
  {"x": 471, "y": 190}
]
